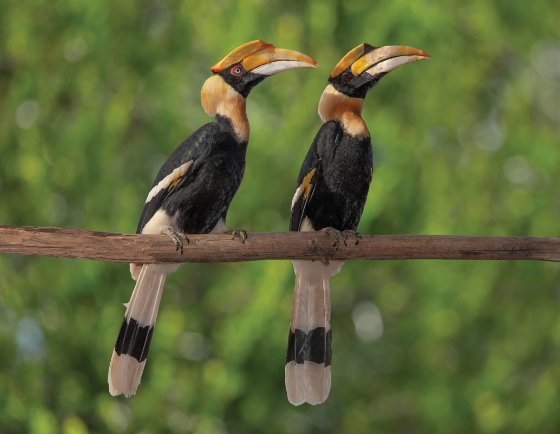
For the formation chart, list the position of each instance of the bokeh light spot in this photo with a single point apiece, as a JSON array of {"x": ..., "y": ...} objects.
[
  {"x": 27, "y": 114},
  {"x": 75, "y": 50},
  {"x": 367, "y": 320}
]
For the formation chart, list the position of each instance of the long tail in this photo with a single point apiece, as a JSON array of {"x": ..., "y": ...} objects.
[
  {"x": 308, "y": 362},
  {"x": 133, "y": 343}
]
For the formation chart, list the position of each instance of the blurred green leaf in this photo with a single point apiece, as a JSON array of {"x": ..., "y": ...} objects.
[{"x": 95, "y": 96}]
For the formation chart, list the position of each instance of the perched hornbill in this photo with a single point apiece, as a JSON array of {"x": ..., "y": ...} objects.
[
  {"x": 331, "y": 192},
  {"x": 193, "y": 190}
]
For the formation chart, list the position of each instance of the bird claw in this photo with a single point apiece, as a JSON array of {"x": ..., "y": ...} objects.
[
  {"x": 238, "y": 232},
  {"x": 348, "y": 232},
  {"x": 176, "y": 237},
  {"x": 335, "y": 235}
]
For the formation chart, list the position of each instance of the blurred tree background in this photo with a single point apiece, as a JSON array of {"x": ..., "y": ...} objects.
[{"x": 95, "y": 95}]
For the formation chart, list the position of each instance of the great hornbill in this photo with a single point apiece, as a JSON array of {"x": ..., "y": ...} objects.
[
  {"x": 193, "y": 190},
  {"x": 331, "y": 192}
]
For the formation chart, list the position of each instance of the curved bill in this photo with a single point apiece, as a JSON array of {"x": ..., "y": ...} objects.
[
  {"x": 262, "y": 58},
  {"x": 274, "y": 60},
  {"x": 385, "y": 59}
]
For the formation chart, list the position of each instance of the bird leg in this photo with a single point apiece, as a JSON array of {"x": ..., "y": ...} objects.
[
  {"x": 238, "y": 232},
  {"x": 335, "y": 235},
  {"x": 346, "y": 234},
  {"x": 176, "y": 237}
]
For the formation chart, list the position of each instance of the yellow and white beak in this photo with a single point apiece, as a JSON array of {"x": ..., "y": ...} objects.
[
  {"x": 385, "y": 59},
  {"x": 378, "y": 60},
  {"x": 262, "y": 58}
]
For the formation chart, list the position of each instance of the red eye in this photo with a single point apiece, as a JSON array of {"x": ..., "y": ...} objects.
[
  {"x": 236, "y": 70},
  {"x": 346, "y": 77}
]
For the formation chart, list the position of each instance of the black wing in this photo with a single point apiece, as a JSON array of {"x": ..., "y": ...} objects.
[
  {"x": 194, "y": 149},
  {"x": 311, "y": 173}
]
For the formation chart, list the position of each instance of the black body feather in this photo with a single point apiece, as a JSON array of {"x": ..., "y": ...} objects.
[
  {"x": 340, "y": 184},
  {"x": 203, "y": 195}
]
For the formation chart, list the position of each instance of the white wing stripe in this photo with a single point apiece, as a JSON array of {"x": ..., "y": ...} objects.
[
  {"x": 169, "y": 179},
  {"x": 297, "y": 195}
]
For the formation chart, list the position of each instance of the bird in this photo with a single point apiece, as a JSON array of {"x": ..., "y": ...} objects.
[
  {"x": 192, "y": 192},
  {"x": 331, "y": 191}
]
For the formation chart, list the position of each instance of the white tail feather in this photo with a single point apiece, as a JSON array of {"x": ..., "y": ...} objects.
[
  {"x": 310, "y": 381},
  {"x": 295, "y": 383},
  {"x": 125, "y": 371},
  {"x": 318, "y": 382}
]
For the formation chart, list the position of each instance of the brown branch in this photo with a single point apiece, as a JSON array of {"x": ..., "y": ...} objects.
[{"x": 114, "y": 247}]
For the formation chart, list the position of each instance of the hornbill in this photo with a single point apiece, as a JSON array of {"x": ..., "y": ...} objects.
[
  {"x": 193, "y": 190},
  {"x": 331, "y": 192}
]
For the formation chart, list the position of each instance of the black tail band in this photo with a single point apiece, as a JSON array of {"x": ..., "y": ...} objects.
[
  {"x": 134, "y": 340},
  {"x": 314, "y": 346}
]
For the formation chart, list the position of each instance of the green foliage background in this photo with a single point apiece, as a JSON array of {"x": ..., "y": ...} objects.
[{"x": 95, "y": 95}]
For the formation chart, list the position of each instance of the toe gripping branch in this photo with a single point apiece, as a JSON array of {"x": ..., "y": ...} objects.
[
  {"x": 348, "y": 232},
  {"x": 238, "y": 233},
  {"x": 176, "y": 237},
  {"x": 335, "y": 234}
]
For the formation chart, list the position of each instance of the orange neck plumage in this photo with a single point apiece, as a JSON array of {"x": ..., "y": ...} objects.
[
  {"x": 335, "y": 106},
  {"x": 219, "y": 98}
]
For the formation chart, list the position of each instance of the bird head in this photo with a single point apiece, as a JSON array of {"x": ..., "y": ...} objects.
[
  {"x": 235, "y": 75},
  {"x": 251, "y": 63},
  {"x": 363, "y": 67},
  {"x": 355, "y": 74}
]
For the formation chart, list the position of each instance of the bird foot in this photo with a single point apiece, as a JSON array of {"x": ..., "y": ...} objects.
[
  {"x": 349, "y": 232},
  {"x": 176, "y": 237},
  {"x": 335, "y": 235},
  {"x": 238, "y": 233}
]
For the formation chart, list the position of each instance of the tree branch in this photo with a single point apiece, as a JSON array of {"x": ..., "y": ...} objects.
[{"x": 114, "y": 247}]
